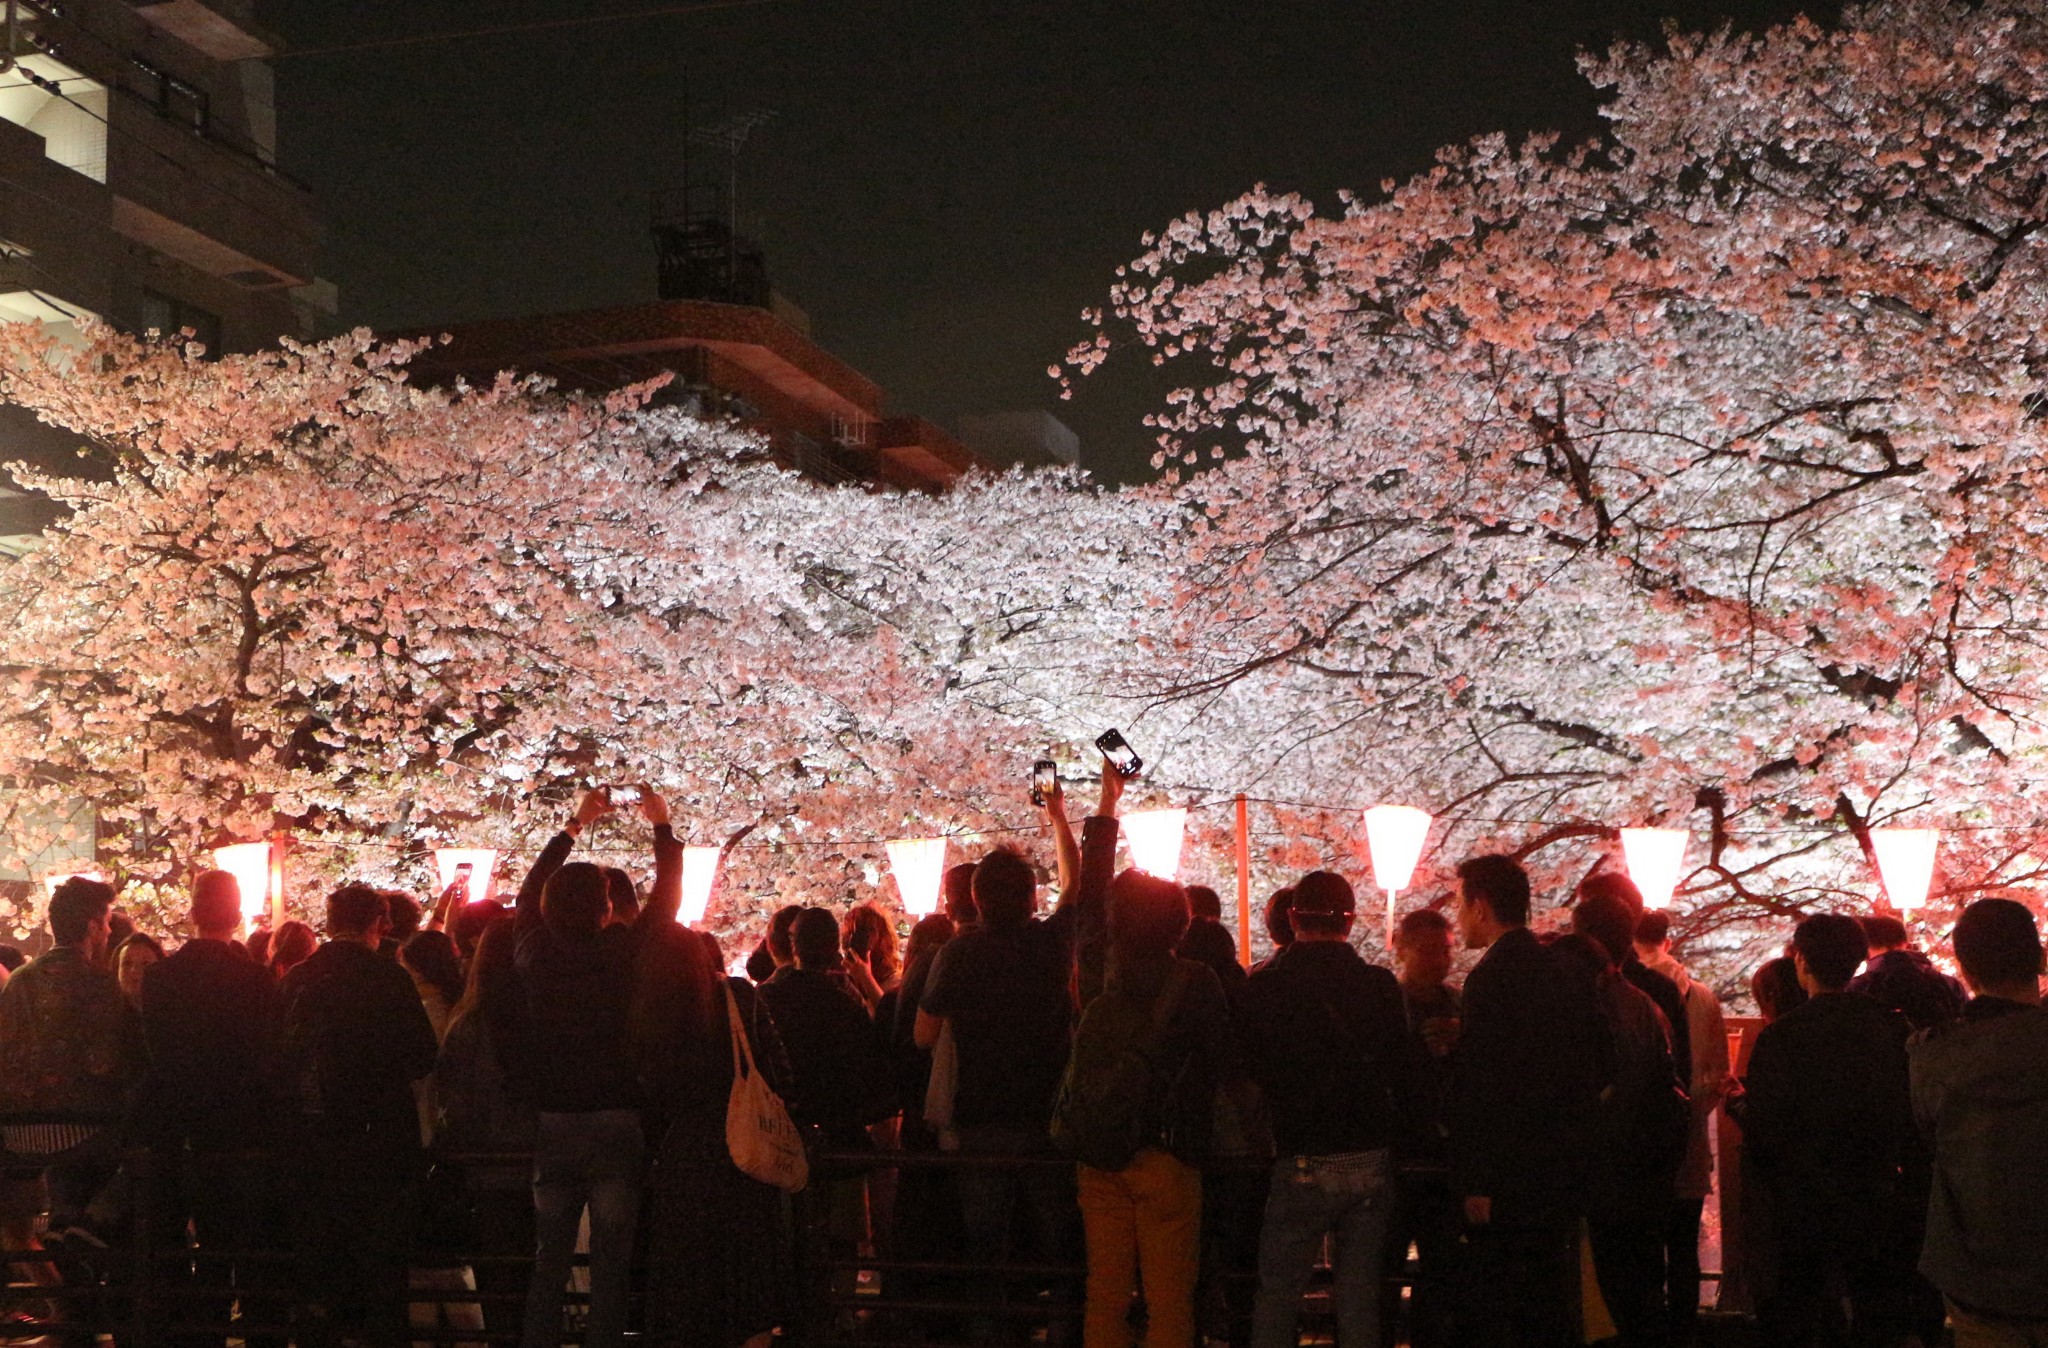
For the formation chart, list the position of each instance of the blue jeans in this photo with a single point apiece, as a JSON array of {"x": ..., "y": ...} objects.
[
  {"x": 593, "y": 1159},
  {"x": 1351, "y": 1195}
]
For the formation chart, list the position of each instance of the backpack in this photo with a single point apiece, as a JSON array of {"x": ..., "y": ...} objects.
[{"x": 1103, "y": 1116}]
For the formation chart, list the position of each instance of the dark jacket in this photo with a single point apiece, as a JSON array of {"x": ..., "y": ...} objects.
[
  {"x": 1523, "y": 1084},
  {"x": 1907, "y": 982},
  {"x": 68, "y": 1039},
  {"x": 213, "y": 1023},
  {"x": 476, "y": 1105},
  {"x": 1326, "y": 1036},
  {"x": 1639, "y": 1124},
  {"x": 1980, "y": 1093},
  {"x": 1007, "y": 989},
  {"x": 1826, "y": 1119},
  {"x": 1670, "y": 999},
  {"x": 1190, "y": 1058},
  {"x": 840, "y": 1080},
  {"x": 576, "y": 1057},
  {"x": 1088, "y": 908},
  {"x": 357, "y": 1037}
]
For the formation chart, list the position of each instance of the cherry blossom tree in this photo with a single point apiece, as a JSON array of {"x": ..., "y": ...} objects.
[{"x": 1691, "y": 476}]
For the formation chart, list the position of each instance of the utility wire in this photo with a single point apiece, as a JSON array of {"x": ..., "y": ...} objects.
[{"x": 505, "y": 30}]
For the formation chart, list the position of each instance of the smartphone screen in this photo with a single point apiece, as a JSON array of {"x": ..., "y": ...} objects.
[
  {"x": 1119, "y": 752},
  {"x": 624, "y": 795},
  {"x": 1045, "y": 779},
  {"x": 462, "y": 874}
]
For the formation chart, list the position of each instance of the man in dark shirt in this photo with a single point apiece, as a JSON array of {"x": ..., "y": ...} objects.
[
  {"x": 1003, "y": 988},
  {"x": 1664, "y": 991},
  {"x": 213, "y": 1023},
  {"x": 1326, "y": 1036},
  {"x": 357, "y": 1037},
  {"x": 577, "y": 971},
  {"x": 1826, "y": 1122},
  {"x": 839, "y": 1082},
  {"x": 1980, "y": 1092},
  {"x": 1904, "y": 979},
  {"x": 1524, "y": 1080},
  {"x": 1429, "y": 1212}
]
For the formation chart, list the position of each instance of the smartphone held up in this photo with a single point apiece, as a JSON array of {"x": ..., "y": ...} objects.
[
  {"x": 1045, "y": 779},
  {"x": 1119, "y": 752}
]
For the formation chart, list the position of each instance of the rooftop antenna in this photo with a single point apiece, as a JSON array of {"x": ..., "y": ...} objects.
[{"x": 730, "y": 136}]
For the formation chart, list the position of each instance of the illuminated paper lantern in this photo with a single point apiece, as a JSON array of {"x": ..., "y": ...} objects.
[
  {"x": 1394, "y": 835},
  {"x": 1155, "y": 838},
  {"x": 918, "y": 864},
  {"x": 700, "y": 872},
  {"x": 250, "y": 864},
  {"x": 482, "y": 863},
  {"x": 1655, "y": 859},
  {"x": 1905, "y": 861}
]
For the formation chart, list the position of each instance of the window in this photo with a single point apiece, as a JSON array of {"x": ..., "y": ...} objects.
[
  {"x": 171, "y": 96},
  {"x": 168, "y": 316},
  {"x": 66, "y": 109}
]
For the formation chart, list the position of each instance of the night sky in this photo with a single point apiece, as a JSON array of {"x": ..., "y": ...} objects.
[{"x": 946, "y": 183}]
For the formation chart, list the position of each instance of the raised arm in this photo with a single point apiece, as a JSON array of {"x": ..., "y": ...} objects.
[
  {"x": 1090, "y": 902},
  {"x": 1064, "y": 844},
  {"x": 667, "y": 899},
  {"x": 593, "y": 807}
]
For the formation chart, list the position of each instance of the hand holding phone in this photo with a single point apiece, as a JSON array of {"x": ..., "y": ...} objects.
[
  {"x": 1045, "y": 782},
  {"x": 624, "y": 795},
  {"x": 461, "y": 881},
  {"x": 1119, "y": 752}
]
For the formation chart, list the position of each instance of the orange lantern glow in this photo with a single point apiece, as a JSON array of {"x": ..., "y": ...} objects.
[
  {"x": 1155, "y": 838},
  {"x": 918, "y": 864},
  {"x": 1394, "y": 835},
  {"x": 482, "y": 863},
  {"x": 260, "y": 882},
  {"x": 1905, "y": 862},
  {"x": 700, "y": 873},
  {"x": 1655, "y": 859}
]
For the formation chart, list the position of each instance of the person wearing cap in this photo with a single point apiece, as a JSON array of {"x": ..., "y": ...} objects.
[{"x": 1326, "y": 1034}]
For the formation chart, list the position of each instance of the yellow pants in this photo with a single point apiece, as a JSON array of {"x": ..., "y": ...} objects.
[{"x": 1144, "y": 1220}]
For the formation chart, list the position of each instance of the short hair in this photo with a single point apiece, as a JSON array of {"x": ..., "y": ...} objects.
[
  {"x": 1005, "y": 889},
  {"x": 1204, "y": 902},
  {"x": 958, "y": 891},
  {"x": 760, "y": 964},
  {"x": 1419, "y": 922},
  {"x": 1500, "y": 883},
  {"x": 1833, "y": 946},
  {"x": 1615, "y": 885},
  {"x": 404, "y": 911},
  {"x": 291, "y": 944},
  {"x": 576, "y": 900},
  {"x": 1775, "y": 985},
  {"x": 625, "y": 899},
  {"x": 1653, "y": 927},
  {"x": 814, "y": 938},
  {"x": 1208, "y": 942},
  {"x": 78, "y": 903},
  {"x": 216, "y": 901},
  {"x": 1147, "y": 914},
  {"x": 778, "y": 932},
  {"x": 354, "y": 908},
  {"x": 1605, "y": 918},
  {"x": 1280, "y": 916},
  {"x": 1883, "y": 932},
  {"x": 1324, "y": 905},
  {"x": 1997, "y": 942}
]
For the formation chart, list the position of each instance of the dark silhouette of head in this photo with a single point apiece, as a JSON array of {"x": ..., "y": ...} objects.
[
  {"x": 957, "y": 894},
  {"x": 216, "y": 904},
  {"x": 778, "y": 934},
  {"x": 1606, "y": 884},
  {"x": 576, "y": 902},
  {"x": 814, "y": 939},
  {"x": 1653, "y": 929},
  {"x": 1883, "y": 932},
  {"x": 1832, "y": 948},
  {"x": 1005, "y": 890},
  {"x": 1776, "y": 987},
  {"x": 1500, "y": 883},
  {"x": 1999, "y": 945},
  {"x": 1324, "y": 906},
  {"x": 1279, "y": 917},
  {"x": 1204, "y": 902},
  {"x": 624, "y": 898},
  {"x": 1605, "y": 918},
  {"x": 80, "y": 906},
  {"x": 356, "y": 911},
  {"x": 1147, "y": 915}
]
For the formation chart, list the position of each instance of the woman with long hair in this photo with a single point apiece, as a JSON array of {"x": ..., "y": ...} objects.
[
  {"x": 429, "y": 956},
  {"x": 719, "y": 1260}
]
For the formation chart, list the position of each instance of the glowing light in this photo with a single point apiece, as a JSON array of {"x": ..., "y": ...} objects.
[
  {"x": 700, "y": 872},
  {"x": 1905, "y": 860},
  {"x": 52, "y": 881},
  {"x": 1395, "y": 834},
  {"x": 249, "y": 863},
  {"x": 1155, "y": 838},
  {"x": 918, "y": 865},
  {"x": 482, "y": 863},
  {"x": 1656, "y": 858}
]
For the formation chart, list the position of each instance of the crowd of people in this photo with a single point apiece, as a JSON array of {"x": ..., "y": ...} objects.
[{"x": 425, "y": 1088}]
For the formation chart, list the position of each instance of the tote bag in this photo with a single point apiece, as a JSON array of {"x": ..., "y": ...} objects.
[
  {"x": 758, "y": 1132},
  {"x": 942, "y": 1087}
]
